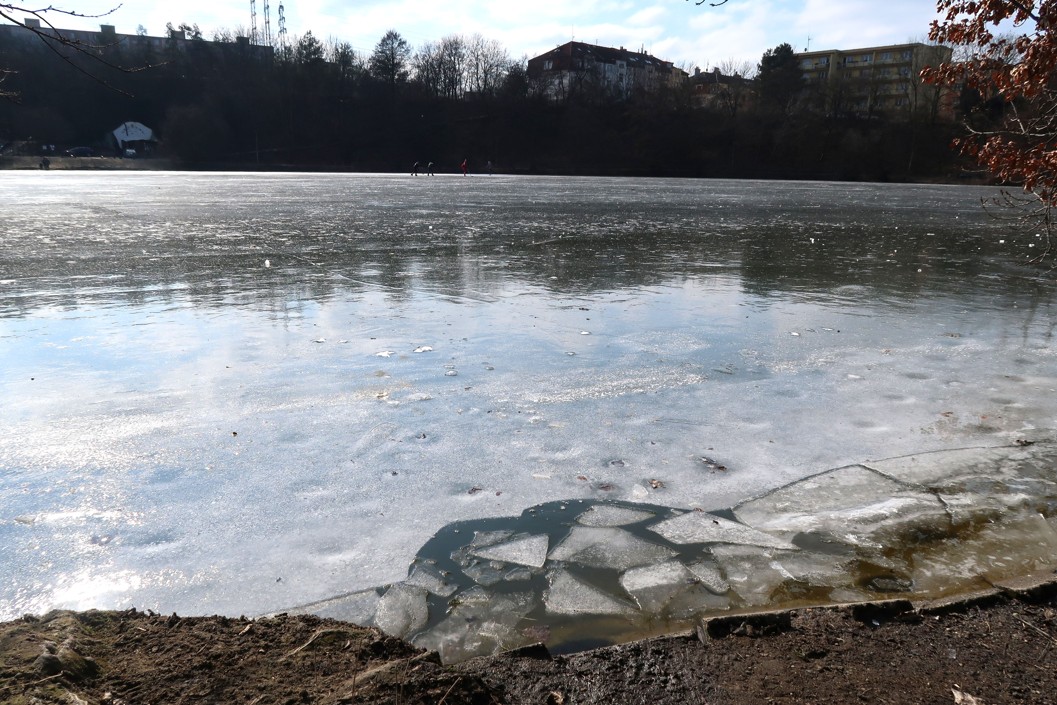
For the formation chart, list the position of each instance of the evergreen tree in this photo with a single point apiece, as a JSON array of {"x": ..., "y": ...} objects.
[
  {"x": 390, "y": 60},
  {"x": 779, "y": 79}
]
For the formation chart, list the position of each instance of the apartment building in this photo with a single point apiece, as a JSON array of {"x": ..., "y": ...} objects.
[
  {"x": 108, "y": 38},
  {"x": 877, "y": 81},
  {"x": 575, "y": 67}
]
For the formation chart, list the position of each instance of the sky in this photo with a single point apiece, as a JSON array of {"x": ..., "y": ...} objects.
[{"x": 679, "y": 31}]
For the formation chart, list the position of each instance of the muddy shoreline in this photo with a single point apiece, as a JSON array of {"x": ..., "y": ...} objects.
[{"x": 998, "y": 646}]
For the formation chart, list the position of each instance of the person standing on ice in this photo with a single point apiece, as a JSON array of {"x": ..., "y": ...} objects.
[
  {"x": 463, "y": 166},
  {"x": 414, "y": 169}
]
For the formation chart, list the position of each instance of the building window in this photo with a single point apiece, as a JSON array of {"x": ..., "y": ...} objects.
[
  {"x": 906, "y": 55},
  {"x": 887, "y": 56},
  {"x": 548, "y": 65},
  {"x": 867, "y": 58}
]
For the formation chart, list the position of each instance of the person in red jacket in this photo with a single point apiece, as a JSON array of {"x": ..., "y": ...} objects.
[{"x": 463, "y": 167}]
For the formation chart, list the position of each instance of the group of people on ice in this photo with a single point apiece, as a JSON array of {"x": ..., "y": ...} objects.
[{"x": 465, "y": 167}]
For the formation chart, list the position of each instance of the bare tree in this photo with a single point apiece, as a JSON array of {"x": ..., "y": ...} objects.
[
  {"x": 487, "y": 63},
  {"x": 427, "y": 65},
  {"x": 735, "y": 88},
  {"x": 453, "y": 66}
]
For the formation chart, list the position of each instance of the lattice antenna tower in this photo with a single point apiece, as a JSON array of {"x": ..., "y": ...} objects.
[
  {"x": 253, "y": 21},
  {"x": 282, "y": 26},
  {"x": 267, "y": 25}
]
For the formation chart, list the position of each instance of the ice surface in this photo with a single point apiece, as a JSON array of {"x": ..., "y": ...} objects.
[
  {"x": 854, "y": 504},
  {"x": 402, "y": 611},
  {"x": 608, "y": 547},
  {"x": 610, "y": 515},
  {"x": 161, "y": 380},
  {"x": 702, "y": 527},
  {"x": 570, "y": 595},
  {"x": 529, "y": 551}
]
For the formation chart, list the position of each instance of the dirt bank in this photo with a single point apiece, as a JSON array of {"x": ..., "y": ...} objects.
[{"x": 998, "y": 648}]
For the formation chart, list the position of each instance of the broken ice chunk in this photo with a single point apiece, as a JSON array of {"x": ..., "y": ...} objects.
[
  {"x": 569, "y": 595},
  {"x": 854, "y": 503},
  {"x": 487, "y": 538},
  {"x": 671, "y": 591},
  {"x": 819, "y": 569},
  {"x": 978, "y": 484},
  {"x": 653, "y": 586},
  {"x": 610, "y": 515},
  {"x": 430, "y": 580},
  {"x": 1017, "y": 545},
  {"x": 358, "y": 607},
  {"x": 946, "y": 468},
  {"x": 605, "y": 547},
  {"x": 487, "y": 574},
  {"x": 525, "y": 550},
  {"x": 753, "y": 573},
  {"x": 519, "y": 574},
  {"x": 479, "y": 627},
  {"x": 710, "y": 576},
  {"x": 402, "y": 611},
  {"x": 702, "y": 527}
]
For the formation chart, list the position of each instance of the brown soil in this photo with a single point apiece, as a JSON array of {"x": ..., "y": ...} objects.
[{"x": 997, "y": 649}]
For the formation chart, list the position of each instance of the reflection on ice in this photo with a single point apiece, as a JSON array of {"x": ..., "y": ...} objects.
[{"x": 899, "y": 527}]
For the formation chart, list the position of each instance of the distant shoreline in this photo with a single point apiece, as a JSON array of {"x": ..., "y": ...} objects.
[{"x": 61, "y": 163}]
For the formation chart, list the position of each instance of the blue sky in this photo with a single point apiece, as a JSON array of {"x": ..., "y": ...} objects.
[{"x": 675, "y": 30}]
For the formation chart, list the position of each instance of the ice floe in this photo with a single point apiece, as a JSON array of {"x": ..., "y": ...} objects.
[{"x": 918, "y": 527}]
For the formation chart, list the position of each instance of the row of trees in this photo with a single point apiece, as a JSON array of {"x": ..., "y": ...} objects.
[{"x": 322, "y": 104}]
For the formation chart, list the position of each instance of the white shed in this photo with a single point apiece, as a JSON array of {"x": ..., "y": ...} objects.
[{"x": 132, "y": 135}]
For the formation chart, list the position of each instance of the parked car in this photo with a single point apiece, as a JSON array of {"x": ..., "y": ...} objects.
[{"x": 80, "y": 152}]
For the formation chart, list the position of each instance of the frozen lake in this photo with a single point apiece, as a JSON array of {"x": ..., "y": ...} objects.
[{"x": 236, "y": 393}]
